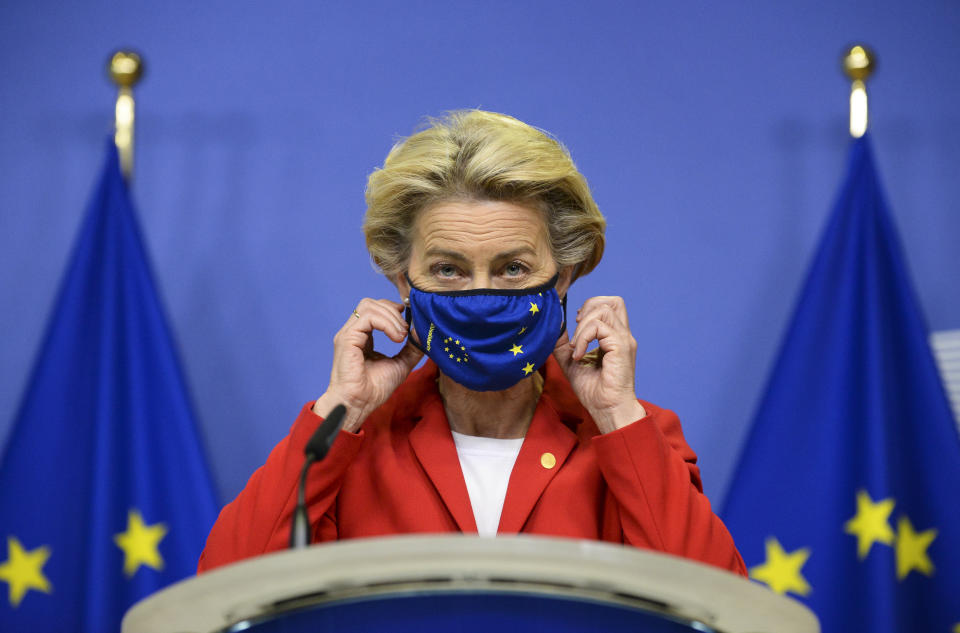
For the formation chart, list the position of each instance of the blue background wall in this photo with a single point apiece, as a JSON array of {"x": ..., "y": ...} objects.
[{"x": 714, "y": 136}]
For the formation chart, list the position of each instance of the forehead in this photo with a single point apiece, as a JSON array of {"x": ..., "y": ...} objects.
[{"x": 469, "y": 224}]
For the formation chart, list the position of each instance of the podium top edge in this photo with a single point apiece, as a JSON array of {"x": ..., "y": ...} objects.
[{"x": 252, "y": 588}]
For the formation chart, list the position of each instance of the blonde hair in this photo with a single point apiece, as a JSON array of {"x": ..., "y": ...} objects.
[{"x": 472, "y": 154}]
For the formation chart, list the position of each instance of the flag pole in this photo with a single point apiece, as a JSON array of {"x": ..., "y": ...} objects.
[
  {"x": 858, "y": 64},
  {"x": 125, "y": 69}
]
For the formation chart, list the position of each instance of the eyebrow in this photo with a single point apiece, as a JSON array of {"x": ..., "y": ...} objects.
[{"x": 523, "y": 250}]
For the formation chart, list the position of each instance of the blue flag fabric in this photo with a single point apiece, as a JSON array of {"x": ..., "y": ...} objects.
[
  {"x": 846, "y": 496},
  {"x": 105, "y": 495}
]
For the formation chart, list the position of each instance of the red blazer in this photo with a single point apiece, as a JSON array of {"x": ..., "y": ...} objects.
[{"x": 637, "y": 485}]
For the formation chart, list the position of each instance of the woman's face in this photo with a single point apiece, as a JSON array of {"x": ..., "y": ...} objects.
[{"x": 464, "y": 245}]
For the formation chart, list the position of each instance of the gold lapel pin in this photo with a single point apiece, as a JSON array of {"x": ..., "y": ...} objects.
[{"x": 548, "y": 461}]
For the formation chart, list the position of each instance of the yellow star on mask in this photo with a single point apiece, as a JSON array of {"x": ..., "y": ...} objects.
[
  {"x": 870, "y": 523},
  {"x": 781, "y": 570},
  {"x": 528, "y": 369},
  {"x": 516, "y": 349},
  {"x": 23, "y": 570},
  {"x": 534, "y": 308},
  {"x": 139, "y": 544},
  {"x": 911, "y": 549}
]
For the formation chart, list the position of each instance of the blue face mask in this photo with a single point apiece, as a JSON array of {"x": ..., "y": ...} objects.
[{"x": 488, "y": 340}]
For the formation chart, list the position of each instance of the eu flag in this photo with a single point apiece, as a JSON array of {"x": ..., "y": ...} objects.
[
  {"x": 105, "y": 495},
  {"x": 846, "y": 496}
]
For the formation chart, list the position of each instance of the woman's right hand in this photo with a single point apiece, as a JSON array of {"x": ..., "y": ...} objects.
[{"x": 362, "y": 379}]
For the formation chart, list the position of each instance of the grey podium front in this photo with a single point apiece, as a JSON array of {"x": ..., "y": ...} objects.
[{"x": 466, "y": 584}]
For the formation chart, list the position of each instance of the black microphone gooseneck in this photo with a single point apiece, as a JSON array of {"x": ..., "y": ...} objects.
[{"x": 316, "y": 450}]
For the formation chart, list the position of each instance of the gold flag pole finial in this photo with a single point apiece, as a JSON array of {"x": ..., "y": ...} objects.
[
  {"x": 858, "y": 64},
  {"x": 125, "y": 69}
]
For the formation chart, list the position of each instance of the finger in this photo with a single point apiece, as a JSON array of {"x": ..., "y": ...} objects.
[
  {"x": 609, "y": 336},
  {"x": 359, "y": 332},
  {"x": 603, "y": 314},
  {"x": 390, "y": 309},
  {"x": 616, "y": 304},
  {"x": 384, "y": 307},
  {"x": 582, "y": 338},
  {"x": 598, "y": 331},
  {"x": 370, "y": 315}
]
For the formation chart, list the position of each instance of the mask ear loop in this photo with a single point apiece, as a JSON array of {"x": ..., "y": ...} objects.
[
  {"x": 563, "y": 324},
  {"x": 408, "y": 315}
]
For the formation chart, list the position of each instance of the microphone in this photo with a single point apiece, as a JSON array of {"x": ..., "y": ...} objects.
[{"x": 317, "y": 448}]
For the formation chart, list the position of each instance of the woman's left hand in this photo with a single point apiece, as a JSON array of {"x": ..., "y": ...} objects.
[{"x": 605, "y": 388}]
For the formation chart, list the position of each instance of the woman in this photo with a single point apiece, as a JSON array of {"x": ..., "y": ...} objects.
[{"x": 482, "y": 223}]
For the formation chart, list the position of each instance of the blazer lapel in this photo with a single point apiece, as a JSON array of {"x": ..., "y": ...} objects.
[
  {"x": 433, "y": 445},
  {"x": 545, "y": 448}
]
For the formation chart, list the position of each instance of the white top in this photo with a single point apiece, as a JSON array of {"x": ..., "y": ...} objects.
[{"x": 486, "y": 463}]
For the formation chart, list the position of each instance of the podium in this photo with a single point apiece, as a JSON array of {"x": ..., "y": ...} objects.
[{"x": 468, "y": 584}]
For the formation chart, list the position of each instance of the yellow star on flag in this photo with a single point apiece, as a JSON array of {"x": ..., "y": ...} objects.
[
  {"x": 870, "y": 524},
  {"x": 534, "y": 308},
  {"x": 522, "y": 330},
  {"x": 781, "y": 570},
  {"x": 911, "y": 549},
  {"x": 23, "y": 570},
  {"x": 516, "y": 349},
  {"x": 139, "y": 544},
  {"x": 528, "y": 369}
]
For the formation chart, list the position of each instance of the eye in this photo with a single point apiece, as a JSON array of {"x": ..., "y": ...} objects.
[
  {"x": 447, "y": 271},
  {"x": 514, "y": 269}
]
